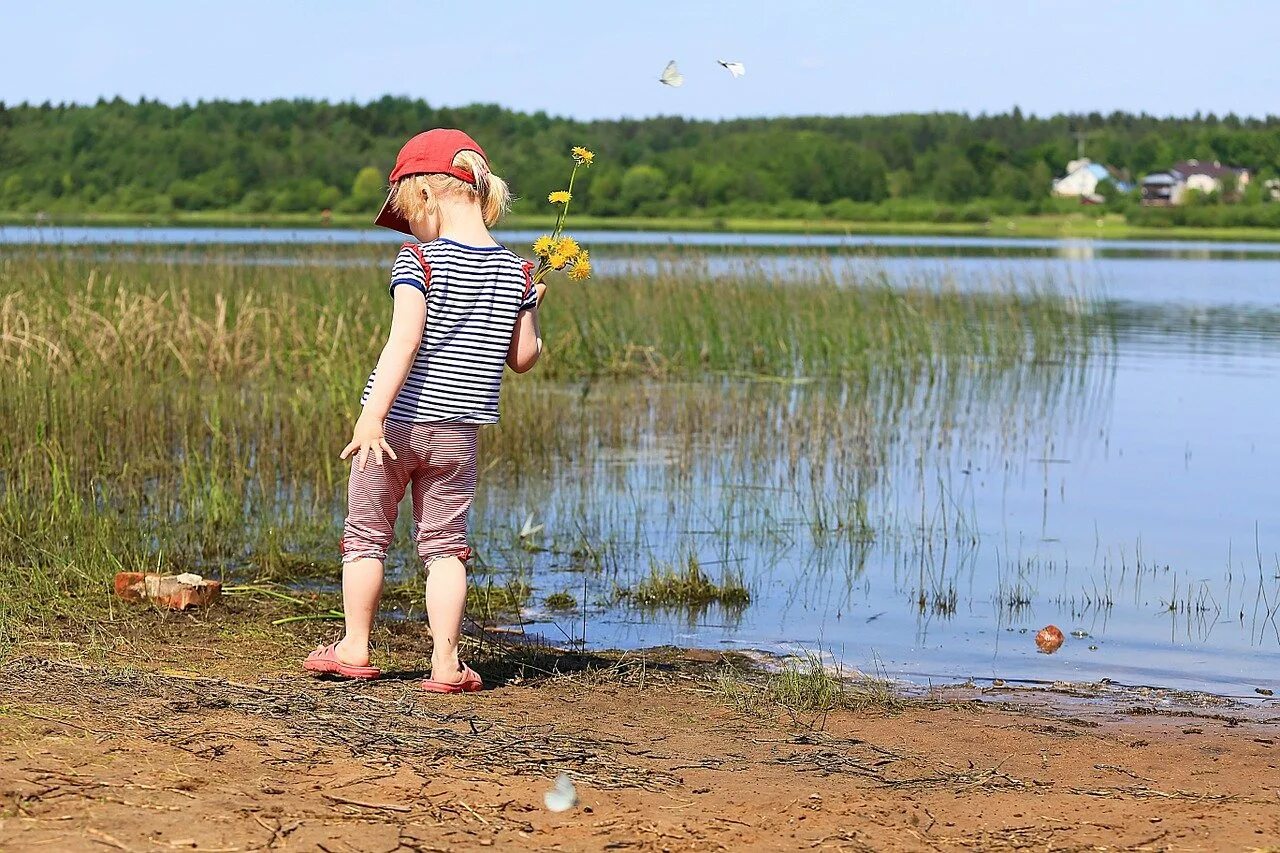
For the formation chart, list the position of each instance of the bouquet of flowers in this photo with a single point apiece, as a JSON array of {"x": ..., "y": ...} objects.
[{"x": 558, "y": 251}]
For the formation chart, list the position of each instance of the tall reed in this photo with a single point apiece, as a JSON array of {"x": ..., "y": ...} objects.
[{"x": 184, "y": 410}]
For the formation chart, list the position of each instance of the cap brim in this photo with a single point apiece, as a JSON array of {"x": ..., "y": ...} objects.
[{"x": 388, "y": 218}]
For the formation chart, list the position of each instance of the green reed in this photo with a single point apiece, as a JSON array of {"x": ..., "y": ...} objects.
[{"x": 183, "y": 411}]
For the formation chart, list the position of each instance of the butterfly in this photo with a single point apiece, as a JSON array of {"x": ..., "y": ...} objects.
[
  {"x": 737, "y": 69},
  {"x": 671, "y": 76},
  {"x": 562, "y": 795}
]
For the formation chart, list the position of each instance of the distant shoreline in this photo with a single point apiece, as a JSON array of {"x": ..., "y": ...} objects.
[{"x": 1070, "y": 226}]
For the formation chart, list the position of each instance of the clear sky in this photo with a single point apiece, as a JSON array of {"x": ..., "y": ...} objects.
[{"x": 602, "y": 59}]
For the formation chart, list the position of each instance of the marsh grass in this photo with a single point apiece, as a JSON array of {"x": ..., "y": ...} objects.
[
  {"x": 562, "y": 600},
  {"x": 686, "y": 586},
  {"x": 805, "y": 684},
  {"x": 182, "y": 411}
]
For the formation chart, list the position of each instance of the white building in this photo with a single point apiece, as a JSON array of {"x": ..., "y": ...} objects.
[{"x": 1082, "y": 179}]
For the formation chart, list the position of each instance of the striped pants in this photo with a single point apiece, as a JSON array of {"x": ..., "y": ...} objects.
[{"x": 439, "y": 459}]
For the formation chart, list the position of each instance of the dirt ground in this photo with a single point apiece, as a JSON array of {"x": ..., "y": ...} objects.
[{"x": 175, "y": 737}]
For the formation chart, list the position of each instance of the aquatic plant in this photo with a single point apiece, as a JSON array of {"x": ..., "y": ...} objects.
[{"x": 173, "y": 409}]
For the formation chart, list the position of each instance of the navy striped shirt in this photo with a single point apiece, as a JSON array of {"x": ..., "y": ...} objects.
[{"x": 474, "y": 294}]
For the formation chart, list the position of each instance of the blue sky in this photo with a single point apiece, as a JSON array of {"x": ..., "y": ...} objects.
[{"x": 802, "y": 56}]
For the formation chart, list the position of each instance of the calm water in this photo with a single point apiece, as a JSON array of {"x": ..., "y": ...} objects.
[{"x": 1130, "y": 498}]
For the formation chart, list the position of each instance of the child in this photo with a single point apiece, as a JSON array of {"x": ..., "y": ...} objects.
[{"x": 463, "y": 307}]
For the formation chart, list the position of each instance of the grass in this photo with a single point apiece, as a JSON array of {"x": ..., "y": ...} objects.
[
  {"x": 805, "y": 684},
  {"x": 181, "y": 410},
  {"x": 687, "y": 586},
  {"x": 1085, "y": 223},
  {"x": 561, "y": 601}
]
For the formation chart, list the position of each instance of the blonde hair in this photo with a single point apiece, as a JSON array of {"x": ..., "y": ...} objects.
[{"x": 415, "y": 195}]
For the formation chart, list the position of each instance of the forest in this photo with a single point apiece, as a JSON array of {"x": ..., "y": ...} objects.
[{"x": 292, "y": 156}]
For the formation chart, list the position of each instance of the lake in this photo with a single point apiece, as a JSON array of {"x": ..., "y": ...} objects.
[{"x": 1127, "y": 495}]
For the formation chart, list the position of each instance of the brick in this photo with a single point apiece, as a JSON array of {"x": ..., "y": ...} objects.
[
  {"x": 176, "y": 592},
  {"x": 129, "y": 586}
]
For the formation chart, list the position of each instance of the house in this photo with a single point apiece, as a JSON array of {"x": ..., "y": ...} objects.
[
  {"x": 1163, "y": 189},
  {"x": 1168, "y": 187},
  {"x": 1209, "y": 177},
  {"x": 1083, "y": 177}
]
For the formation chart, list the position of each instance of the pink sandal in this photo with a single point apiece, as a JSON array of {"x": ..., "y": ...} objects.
[
  {"x": 324, "y": 661},
  {"x": 470, "y": 683}
]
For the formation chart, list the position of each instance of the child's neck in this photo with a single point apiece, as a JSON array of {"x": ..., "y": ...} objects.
[{"x": 464, "y": 223}]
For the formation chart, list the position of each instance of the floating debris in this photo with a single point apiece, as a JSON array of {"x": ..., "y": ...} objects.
[{"x": 1049, "y": 640}]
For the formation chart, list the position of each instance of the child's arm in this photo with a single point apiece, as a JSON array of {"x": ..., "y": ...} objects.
[
  {"x": 526, "y": 338},
  {"x": 408, "y": 318}
]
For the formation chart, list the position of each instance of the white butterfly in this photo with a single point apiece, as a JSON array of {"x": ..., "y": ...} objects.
[
  {"x": 737, "y": 69},
  {"x": 529, "y": 528},
  {"x": 671, "y": 76},
  {"x": 562, "y": 795}
]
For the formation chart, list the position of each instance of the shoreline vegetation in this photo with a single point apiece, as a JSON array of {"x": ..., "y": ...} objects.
[
  {"x": 932, "y": 173},
  {"x": 1082, "y": 224},
  {"x": 233, "y": 370}
]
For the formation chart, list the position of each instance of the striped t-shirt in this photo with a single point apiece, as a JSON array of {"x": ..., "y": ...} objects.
[{"x": 474, "y": 294}]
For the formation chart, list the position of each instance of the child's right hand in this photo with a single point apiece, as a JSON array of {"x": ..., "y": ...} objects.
[{"x": 368, "y": 437}]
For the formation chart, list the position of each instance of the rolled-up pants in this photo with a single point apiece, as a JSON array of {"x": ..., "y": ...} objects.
[{"x": 439, "y": 460}]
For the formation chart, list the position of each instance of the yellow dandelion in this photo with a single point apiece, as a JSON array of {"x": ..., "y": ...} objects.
[
  {"x": 583, "y": 156},
  {"x": 568, "y": 247},
  {"x": 581, "y": 271},
  {"x": 559, "y": 197},
  {"x": 543, "y": 245},
  {"x": 557, "y": 261}
]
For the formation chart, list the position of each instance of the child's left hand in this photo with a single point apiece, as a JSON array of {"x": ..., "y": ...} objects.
[{"x": 368, "y": 437}]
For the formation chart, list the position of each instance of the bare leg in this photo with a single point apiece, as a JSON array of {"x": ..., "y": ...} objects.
[
  {"x": 446, "y": 601},
  {"x": 361, "y": 591}
]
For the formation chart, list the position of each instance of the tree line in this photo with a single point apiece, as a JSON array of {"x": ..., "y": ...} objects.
[{"x": 303, "y": 155}]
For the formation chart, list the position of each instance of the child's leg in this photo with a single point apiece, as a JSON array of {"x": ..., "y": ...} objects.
[
  {"x": 446, "y": 602},
  {"x": 442, "y": 493},
  {"x": 361, "y": 592},
  {"x": 373, "y": 497}
]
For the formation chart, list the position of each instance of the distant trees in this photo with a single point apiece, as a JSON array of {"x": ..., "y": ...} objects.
[{"x": 299, "y": 156}]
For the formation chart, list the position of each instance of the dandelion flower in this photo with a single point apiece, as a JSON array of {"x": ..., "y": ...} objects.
[
  {"x": 581, "y": 271},
  {"x": 543, "y": 245},
  {"x": 557, "y": 261},
  {"x": 559, "y": 197},
  {"x": 583, "y": 156},
  {"x": 568, "y": 247}
]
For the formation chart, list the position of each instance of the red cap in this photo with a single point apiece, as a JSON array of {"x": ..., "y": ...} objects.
[{"x": 428, "y": 153}]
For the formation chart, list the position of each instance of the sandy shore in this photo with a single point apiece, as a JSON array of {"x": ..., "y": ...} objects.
[{"x": 175, "y": 738}]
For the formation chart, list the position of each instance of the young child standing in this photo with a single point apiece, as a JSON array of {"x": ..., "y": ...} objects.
[{"x": 464, "y": 306}]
